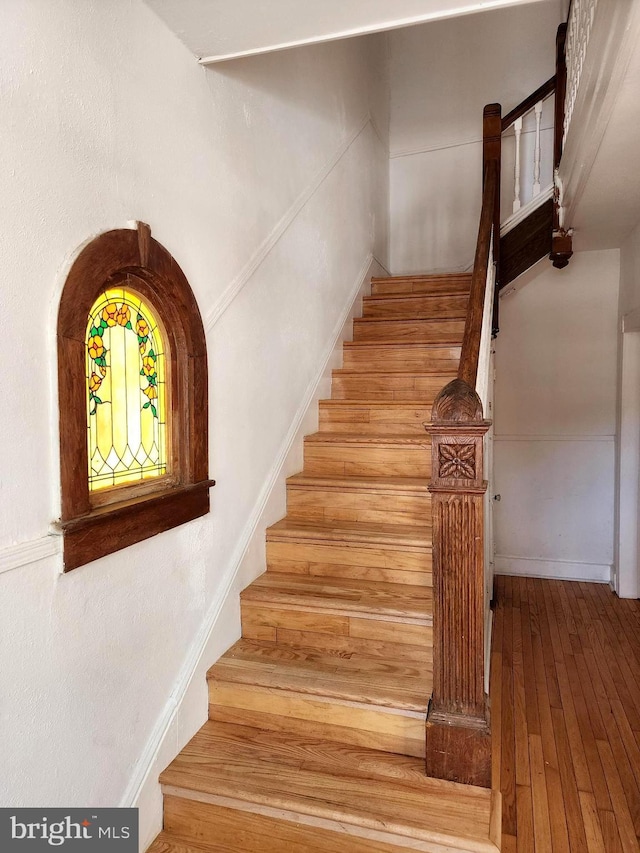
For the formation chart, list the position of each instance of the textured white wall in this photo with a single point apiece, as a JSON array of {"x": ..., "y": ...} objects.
[
  {"x": 555, "y": 420},
  {"x": 267, "y": 180},
  {"x": 627, "y": 575},
  {"x": 442, "y": 75}
]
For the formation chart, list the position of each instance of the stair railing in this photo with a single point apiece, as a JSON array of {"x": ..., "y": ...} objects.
[
  {"x": 526, "y": 119},
  {"x": 458, "y": 733},
  {"x": 458, "y": 737}
]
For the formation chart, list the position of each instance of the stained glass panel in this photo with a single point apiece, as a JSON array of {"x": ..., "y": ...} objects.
[{"x": 126, "y": 391}]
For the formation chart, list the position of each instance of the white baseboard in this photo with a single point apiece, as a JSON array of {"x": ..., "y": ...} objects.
[
  {"x": 567, "y": 570},
  {"x": 186, "y": 709}
]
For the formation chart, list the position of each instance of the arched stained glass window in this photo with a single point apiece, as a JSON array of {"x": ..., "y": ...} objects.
[
  {"x": 132, "y": 385},
  {"x": 126, "y": 391}
]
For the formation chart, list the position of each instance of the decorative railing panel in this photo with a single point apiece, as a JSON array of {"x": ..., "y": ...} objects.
[{"x": 579, "y": 28}]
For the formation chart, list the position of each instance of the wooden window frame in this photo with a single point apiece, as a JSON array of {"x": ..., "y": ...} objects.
[{"x": 98, "y": 523}]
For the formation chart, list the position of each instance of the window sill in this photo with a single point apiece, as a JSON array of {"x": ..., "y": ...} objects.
[{"x": 115, "y": 526}]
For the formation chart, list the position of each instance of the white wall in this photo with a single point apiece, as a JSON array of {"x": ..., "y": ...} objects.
[
  {"x": 627, "y": 576},
  {"x": 442, "y": 76},
  {"x": 555, "y": 420},
  {"x": 267, "y": 180}
]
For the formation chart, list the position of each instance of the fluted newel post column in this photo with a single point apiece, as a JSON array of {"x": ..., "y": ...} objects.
[{"x": 458, "y": 742}]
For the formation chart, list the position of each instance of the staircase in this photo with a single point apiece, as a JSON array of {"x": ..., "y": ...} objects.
[{"x": 316, "y": 733}]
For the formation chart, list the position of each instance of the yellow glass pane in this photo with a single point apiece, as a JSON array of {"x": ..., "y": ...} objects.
[{"x": 126, "y": 391}]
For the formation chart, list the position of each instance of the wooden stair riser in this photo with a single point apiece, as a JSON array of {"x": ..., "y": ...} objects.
[
  {"x": 344, "y": 646},
  {"x": 261, "y": 621},
  {"x": 378, "y": 419},
  {"x": 259, "y": 830},
  {"x": 366, "y": 725},
  {"x": 409, "y": 331},
  {"x": 367, "y": 357},
  {"x": 387, "y": 386},
  {"x": 390, "y": 307},
  {"x": 359, "y": 505},
  {"x": 386, "y": 564},
  {"x": 367, "y": 459},
  {"x": 445, "y": 284}
]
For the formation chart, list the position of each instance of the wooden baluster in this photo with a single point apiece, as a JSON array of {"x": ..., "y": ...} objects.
[
  {"x": 516, "y": 193},
  {"x": 458, "y": 741},
  {"x": 536, "y": 153}
]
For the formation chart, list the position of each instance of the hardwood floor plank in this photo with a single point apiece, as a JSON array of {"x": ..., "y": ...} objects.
[
  {"x": 520, "y": 705},
  {"x": 508, "y": 758},
  {"x": 541, "y": 823},
  {"x": 618, "y": 799},
  {"x": 570, "y": 799},
  {"x": 593, "y": 830},
  {"x": 610, "y": 834},
  {"x": 525, "y": 838}
]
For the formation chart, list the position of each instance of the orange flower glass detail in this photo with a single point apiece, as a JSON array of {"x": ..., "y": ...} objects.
[
  {"x": 95, "y": 347},
  {"x": 126, "y": 391}
]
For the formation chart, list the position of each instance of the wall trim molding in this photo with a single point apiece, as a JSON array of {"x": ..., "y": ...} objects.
[
  {"x": 603, "y": 438},
  {"x": 146, "y": 764},
  {"x": 26, "y": 553},
  {"x": 533, "y": 567},
  {"x": 281, "y": 227},
  {"x": 476, "y": 140}
]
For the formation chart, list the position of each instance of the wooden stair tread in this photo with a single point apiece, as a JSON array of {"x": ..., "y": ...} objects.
[
  {"x": 390, "y": 600},
  {"x": 168, "y": 843},
  {"x": 402, "y": 485},
  {"x": 439, "y": 321},
  {"x": 368, "y": 790},
  {"x": 400, "y": 297},
  {"x": 446, "y": 376},
  {"x": 424, "y": 315},
  {"x": 444, "y": 276},
  {"x": 351, "y": 438},
  {"x": 364, "y": 403},
  {"x": 375, "y": 534},
  {"x": 400, "y": 344},
  {"x": 404, "y": 686}
]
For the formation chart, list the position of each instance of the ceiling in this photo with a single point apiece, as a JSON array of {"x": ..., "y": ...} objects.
[{"x": 215, "y": 30}]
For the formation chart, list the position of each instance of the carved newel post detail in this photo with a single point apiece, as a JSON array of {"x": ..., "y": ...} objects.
[{"x": 458, "y": 743}]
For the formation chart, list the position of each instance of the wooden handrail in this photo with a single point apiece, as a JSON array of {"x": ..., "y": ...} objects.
[
  {"x": 561, "y": 241},
  {"x": 561, "y": 94},
  {"x": 529, "y": 103},
  {"x": 468, "y": 367}
]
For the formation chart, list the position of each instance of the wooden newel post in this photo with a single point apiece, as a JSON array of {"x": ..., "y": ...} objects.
[{"x": 458, "y": 741}]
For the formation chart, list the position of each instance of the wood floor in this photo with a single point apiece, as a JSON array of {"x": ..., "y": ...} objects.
[{"x": 565, "y": 700}]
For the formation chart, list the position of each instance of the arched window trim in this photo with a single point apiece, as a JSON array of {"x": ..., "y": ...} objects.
[{"x": 96, "y": 524}]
